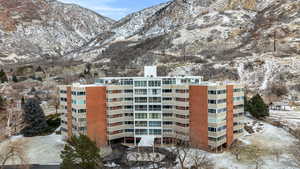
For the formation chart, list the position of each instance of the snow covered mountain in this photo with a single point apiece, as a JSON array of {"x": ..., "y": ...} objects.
[
  {"x": 255, "y": 41},
  {"x": 31, "y": 29}
]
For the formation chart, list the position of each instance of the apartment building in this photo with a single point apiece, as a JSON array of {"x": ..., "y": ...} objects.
[{"x": 125, "y": 109}]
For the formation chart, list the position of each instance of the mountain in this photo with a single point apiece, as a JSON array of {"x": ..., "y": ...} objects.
[
  {"x": 33, "y": 29},
  {"x": 254, "y": 41}
]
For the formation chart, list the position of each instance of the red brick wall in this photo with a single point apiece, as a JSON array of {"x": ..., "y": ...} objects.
[
  {"x": 96, "y": 114},
  {"x": 69, "y": 111},
  {"x": 199, "y": 116},
  {"x": 229, "y": 115}
]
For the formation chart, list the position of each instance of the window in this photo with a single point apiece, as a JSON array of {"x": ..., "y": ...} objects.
[
  {"x": 129, "y": 122},
  {"x": 168, "y": 115},
  {"x": 141, "y": 123},
  {"x": 154, "y": 100},
  {"x": 128, "y": 91},
  {"x": 167, "y": 90},
  {"x": 212, "y": 129},
  {"x": 140, "y": 83},
  {"x": 126, "y": 82},
  {"x": 212, "y": 92},
  {"x": 181, "y": 116},
  {"x": 221, "y": 101},
  {"x": 167, "y": 99},
  {"x": 78, "y": 93},
  {"x": 212, "y": 102},
  {"x": 141, "y": 115},
  {"x": 216, "y": 139},
  {"x": 155, "y": 83},
  {"x": 216, "y": 120},
  {"x": 63, "y": 99},
  {"x": 154, "y": 116},
  {"x": 154, "y": 107},
  {"x": 238, "y": 90},
  {"x": 182, "y": 91},
  {"x": 212, "y": 111},
  {"x": 140, "y": 100},
  {"x": 155, "y": 131},
  {"x": 79, "y": 101},
  {"x": 129, "y": 114},
  {"x": 221, "y": 91},
  {"x": 82, "y": 111},
  {"x": 241, "y": 98},
  {"x": 167, "y": 130},
  {"x": 128, "y": 99},
  {"x": 63, "y": 92},
  {"x": 141, "y": 91},
  {"x": 128, "y": 107},
  {"x": 169, "y": 81},
  {"x": 182, "y": 108},
  {"x": 182, "y": 99},
  {"x": 167, "y": 106},
  {"x": 241, "y": 106},
  {"x": 238, "y": 131},
  {"x": 141, "y": 131},
  {"x": 168, "y": 123},
  {"x": 82, "y": 128},
  {"x": 129, "y": 130},
  {"x": 154, "y": 91},
  {"x": 222, "y": 110},
  {"x": 182, "y": 125},
  {"x": 154, "y": 124},
  {"x": 141, "y": 107}
]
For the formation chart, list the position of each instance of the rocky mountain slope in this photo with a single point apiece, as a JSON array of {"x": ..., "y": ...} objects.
[
  {"x": 31, "y": 29},
  {"x": 255, "y": 41}
]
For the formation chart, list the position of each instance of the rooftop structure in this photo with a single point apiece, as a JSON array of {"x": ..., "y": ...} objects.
[{"x": 126, "y": 109}]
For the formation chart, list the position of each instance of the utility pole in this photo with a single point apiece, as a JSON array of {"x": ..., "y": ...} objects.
[{"x": 274, "y": 43}]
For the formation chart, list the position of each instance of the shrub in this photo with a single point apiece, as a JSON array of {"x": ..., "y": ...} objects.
[
  {"x": 81, "y": 152},
  {"x": 257, "y": 107},
  {"x": 34, "y": 118}
]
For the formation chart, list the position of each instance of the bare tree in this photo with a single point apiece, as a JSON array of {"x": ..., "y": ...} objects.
[
  {"x": 236, "y": 150},
  {"x": 13, "y": 152},
  {"x": 201, "y": 161},
  {"x": 182, "y": 149},
  {"x": 295, "y": 149}
]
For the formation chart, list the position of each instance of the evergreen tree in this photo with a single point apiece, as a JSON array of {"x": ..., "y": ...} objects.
[
  {"x": 14, "y": 78},
  {"x": 39, "y": 69},
  {"x": 2, "y": 102},
  {"x": 257, "y": 107},
  {"x": 81, "y": 153},
  {"x": 34, "y": 119},
  {"x": 22, "y": 101},
  {"x": 3, "y": 77}
]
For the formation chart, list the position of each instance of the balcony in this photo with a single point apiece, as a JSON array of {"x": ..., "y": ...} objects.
[
  {"x": 217, "y": 134},
  {"x": 184, "y": 104},
  {"x": 216, "y": 143}
]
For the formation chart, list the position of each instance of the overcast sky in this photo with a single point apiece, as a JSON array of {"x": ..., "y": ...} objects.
[{"x": 115, "y": 9}]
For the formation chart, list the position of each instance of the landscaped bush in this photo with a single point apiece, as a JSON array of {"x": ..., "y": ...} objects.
[{"x": 257, "y": 107}]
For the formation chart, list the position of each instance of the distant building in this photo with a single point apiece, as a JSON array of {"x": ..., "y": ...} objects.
[
  {"x": 126, "y": 109},
  {"x": 284, "y": 106}
]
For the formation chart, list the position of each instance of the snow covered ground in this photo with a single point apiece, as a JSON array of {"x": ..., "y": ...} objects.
[
  {"x": 41, "y": 149},
  {"x": 46, "y": 149},
  {"x": 269, "y": 138},
  {"x": 290, "y": 118}
]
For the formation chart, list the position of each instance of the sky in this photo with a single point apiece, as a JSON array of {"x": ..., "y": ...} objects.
[{"x": 115, "y": 9}]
